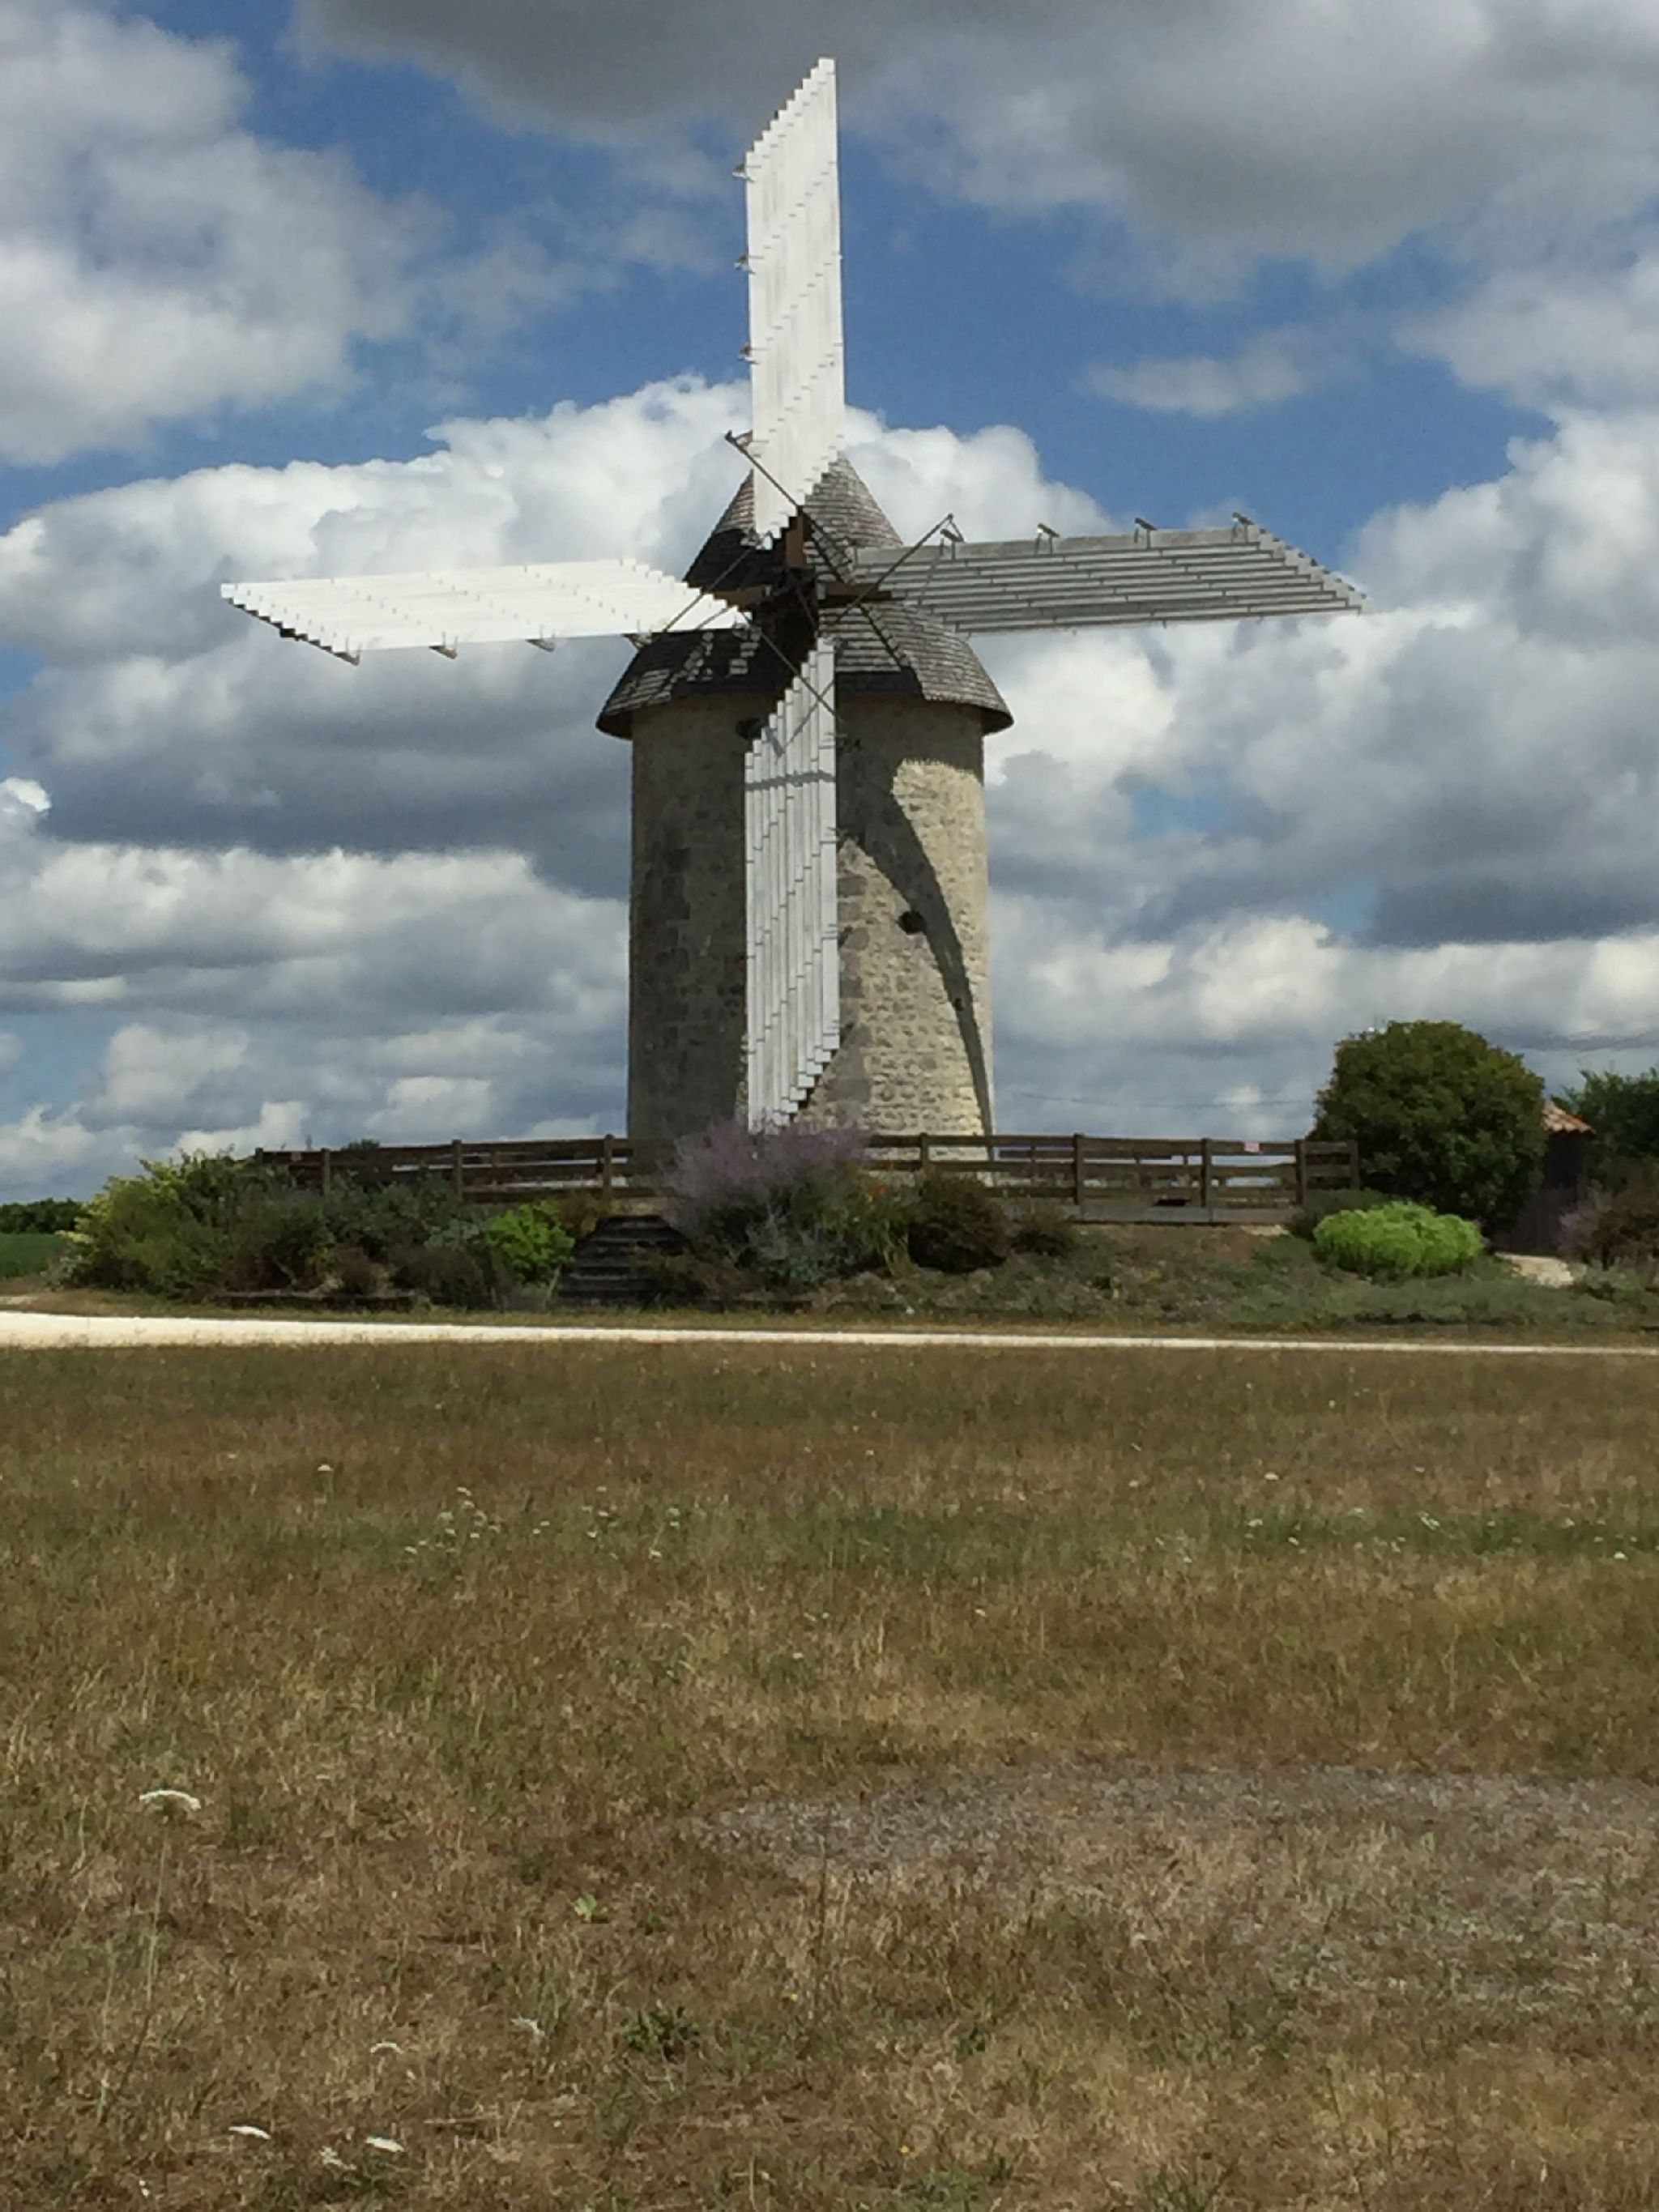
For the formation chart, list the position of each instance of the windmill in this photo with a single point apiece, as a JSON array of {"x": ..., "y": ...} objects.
[{"x": 808, "y": 908}]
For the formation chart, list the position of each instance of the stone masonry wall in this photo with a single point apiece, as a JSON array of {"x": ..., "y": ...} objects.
[
  {"x": 915, "y": 989},
  {"x": 687, "y": 998},
  {"x": 915, "y": 954}
]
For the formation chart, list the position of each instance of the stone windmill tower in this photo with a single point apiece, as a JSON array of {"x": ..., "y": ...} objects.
[
  {"x": 911, "y": 955},
  {"x": 809, "y": 908}
]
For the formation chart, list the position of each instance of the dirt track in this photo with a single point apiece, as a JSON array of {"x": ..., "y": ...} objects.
[{"x": 21, "y": 1331}]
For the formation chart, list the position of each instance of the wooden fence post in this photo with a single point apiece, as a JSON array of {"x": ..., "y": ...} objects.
[
  {"x": 1353, "y": 1163},
  {"x": 924, "y": 1153},
  {"x": 1080, "y": 1171},
  {"x": 327, "y": 1169},
  {"x": 1205, "y": 1163},
  {"x": 457, "y": 1170},
  {"x": 607, "y": 1162},
  {"x": 1301, "y": 1173}
]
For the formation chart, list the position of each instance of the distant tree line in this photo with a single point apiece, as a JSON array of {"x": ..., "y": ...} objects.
[
  {"x": 40, "y": 1217},
  {"x": 1622, "y": 1110}
]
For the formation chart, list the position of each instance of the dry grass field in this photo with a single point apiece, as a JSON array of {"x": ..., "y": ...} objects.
[{"x": 711, "y": 1775}]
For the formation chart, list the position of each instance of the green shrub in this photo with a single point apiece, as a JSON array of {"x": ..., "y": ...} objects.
[
  {"x": 531, "y": 1242},
  {"x": 1623, "y": 1111},
  {"x": 578, "y": 1212},
  {"x": 1391, "y": 1243},
  {"x": 282, "y": 1241},
  {"x": 355, "y": 1275},
  {"x": 1045, "y": 1230},
  {"x": 384, "y": 1218},
  {"x": 1440, "y": 1116},
  {"x": 789, "y": 1208},
  {"x": 455, "y": 1273},
  {"x": 1321, "y": 1204},
  {"x": 702, "y": 1278},
  {"x": 169, "y": 1230},
  {"x": 955, "y": 1225},
  {"x": 190, "y": 1228},
  {"x": 1624, "y": 1232}
]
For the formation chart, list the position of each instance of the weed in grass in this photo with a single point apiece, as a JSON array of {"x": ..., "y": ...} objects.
[{"x": 667, "y": 2031}]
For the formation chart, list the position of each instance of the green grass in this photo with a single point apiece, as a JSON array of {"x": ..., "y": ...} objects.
[
  {"x": 1223, "y": 1279},
  {"x": 707, "y": 1776},
  {"x": 24, "y": 1253}
]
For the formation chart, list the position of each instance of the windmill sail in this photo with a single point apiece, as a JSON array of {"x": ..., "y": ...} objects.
[
  {"x": 447, "y": 609},
  {"x": 795, "y": 953},
  {"x": 796, "y": 348},
  {"x": 1067, "y": 583}
]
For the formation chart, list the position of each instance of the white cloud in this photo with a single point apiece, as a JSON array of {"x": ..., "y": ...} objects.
[
  {"x": 156, "y": 259},
  {"x": 1232, "y": 1024},
  {"x": 46, "y": 1155},
  {"x": 1214, "y": 851},
  {"x": 1308, "y": 128},
  {"x": 165, "y": 717},
  {"x": 1278, "y": 366},
  {"x": 1574, "y": 331},
  {"x": 22, "y": 799}
]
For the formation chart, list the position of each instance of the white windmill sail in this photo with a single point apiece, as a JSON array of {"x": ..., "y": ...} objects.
[
  {"x": 796, "y": 348},
  {"x": 794, "y": 951},
  {"x": 448, "y": 608},
  {"x": 1072, "y": 583}
]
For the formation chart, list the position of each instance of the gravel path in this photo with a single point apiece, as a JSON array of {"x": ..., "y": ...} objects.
[{"x": 21, "y": 1330}]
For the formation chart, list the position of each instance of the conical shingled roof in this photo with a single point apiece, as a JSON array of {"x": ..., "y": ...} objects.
[{"x": 889, "y": 650}]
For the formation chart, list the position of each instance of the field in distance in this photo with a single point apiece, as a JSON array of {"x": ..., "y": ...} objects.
[
  {"x": 24, "y": 1254},
  {"x": 710, "y": 1775}
]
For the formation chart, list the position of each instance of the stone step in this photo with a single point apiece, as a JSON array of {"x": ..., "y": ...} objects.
[{"x": 605, "y": 1268}]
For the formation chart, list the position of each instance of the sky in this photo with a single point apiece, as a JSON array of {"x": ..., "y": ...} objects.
[{"x": 355, "y": 284}]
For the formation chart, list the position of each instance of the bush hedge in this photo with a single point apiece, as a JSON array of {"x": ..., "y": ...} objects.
[
  {"x": 1397, "y": 1241},
  {"x": 785, "y": 1210},
  {"x": 209, "y": 1225},
  {"x": 1440, "y": 1116},
  {"x": 1623, "y": 1112},
  {"x": 955, "y": 1224},
  {"x": 1624, "y": 1231}
]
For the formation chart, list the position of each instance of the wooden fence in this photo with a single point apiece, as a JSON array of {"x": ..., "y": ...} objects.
[{"x": 1196, "y": 1179}]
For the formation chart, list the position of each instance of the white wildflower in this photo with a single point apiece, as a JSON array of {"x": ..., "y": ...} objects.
[
  {"x": 171, "y": 1801},
  {"x": 375, "y": 2050}
]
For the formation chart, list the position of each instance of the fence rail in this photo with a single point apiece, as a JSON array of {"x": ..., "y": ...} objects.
[{"x": 1095, "y": 1178}]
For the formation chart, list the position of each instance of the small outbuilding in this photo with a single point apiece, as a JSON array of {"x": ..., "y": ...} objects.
[{"x": 1544, "y": 1222}]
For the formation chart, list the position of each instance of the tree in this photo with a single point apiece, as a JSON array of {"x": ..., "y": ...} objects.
[
  {"x": 1624, "y": 1112},
  {"x": 1440, "y": 1116}
]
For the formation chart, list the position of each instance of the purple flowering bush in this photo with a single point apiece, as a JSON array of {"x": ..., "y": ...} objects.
[{"x": 791, "y": 1208}]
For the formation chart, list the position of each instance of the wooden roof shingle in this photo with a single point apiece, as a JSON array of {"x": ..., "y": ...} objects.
[{"x": 887, "y": 651}]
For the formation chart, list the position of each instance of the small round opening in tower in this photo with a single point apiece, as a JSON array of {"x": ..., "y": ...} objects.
[{"x": 912, "y": 924}]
